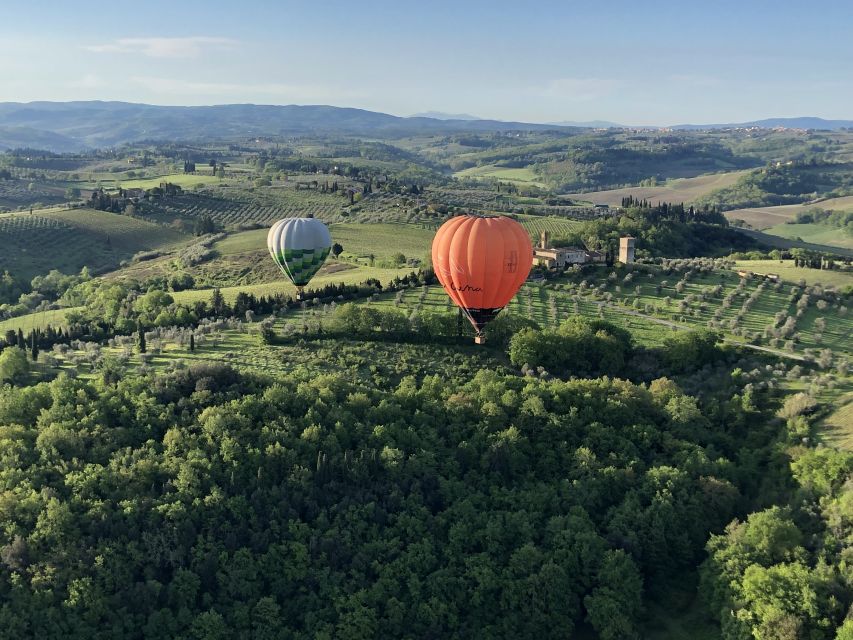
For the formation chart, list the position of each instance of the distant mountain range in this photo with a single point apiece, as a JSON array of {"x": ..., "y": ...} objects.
[
  {"x": 441, "y": 115},
  {"x": 772, "y": 123},
  {"x": 72, "y": 126},
  {"x": 589, "y": 124}
]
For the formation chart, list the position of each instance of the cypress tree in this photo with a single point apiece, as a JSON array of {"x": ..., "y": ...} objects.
[
  {"x": 192, "y": 343},
  {"x": 217, "y": 302},
  {"x": 141, "y": 338}
]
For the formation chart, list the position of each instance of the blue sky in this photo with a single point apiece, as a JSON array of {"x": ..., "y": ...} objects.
[{"x": 636, "y": 62}]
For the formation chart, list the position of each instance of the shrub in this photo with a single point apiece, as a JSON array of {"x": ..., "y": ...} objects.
[
  {"x": 578, "y": 347},
  {"x": 798, "y": 404}
]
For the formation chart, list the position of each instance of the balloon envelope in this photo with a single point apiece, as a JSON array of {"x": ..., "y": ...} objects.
[
  {"x": 299, "y": 247},
  {"x": 481, "y": 261}
]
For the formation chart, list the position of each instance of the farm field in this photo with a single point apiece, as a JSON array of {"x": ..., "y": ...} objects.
[
  {"x": 234, "y": 207},
  {"x": 69, "y": 239},
  {"x": 523, "y": 175},
  {"x": 19, "y": 193},
  {"x": 766, "y": 217},
  {"x": 353, "y": 275},
  {"x": 556, "y": 226},
  {"x": 788, "y": 272},
  {"x": 382, "y": 240},
  {"x": 813, "y": 233},
  {"x": 779, "y": 242},
  {"x": 359, "y": 242},
  {"x": 183, "y": 180},
  {"x": 40, "y": 319},
  {"x": 124, "y": 232},
  {"x": 684, "y": 190}
]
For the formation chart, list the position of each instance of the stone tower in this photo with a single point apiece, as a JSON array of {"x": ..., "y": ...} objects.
[
  {"x": 626, "y": 249},
  {"x": 543, "y": 240}
]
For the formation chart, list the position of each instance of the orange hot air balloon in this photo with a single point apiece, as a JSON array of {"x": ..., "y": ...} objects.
[{"x": 481, "y": 261}]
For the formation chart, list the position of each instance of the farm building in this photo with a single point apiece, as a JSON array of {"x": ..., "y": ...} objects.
[
  {"x": 596, "y": 257},
  {"x": 561, "y": 257}
]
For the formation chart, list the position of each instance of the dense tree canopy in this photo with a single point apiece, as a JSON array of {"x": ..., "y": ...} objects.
[{"x": 210, "y": 504}]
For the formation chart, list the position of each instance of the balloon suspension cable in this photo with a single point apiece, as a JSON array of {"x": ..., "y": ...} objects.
[{"x": 479, "y": 332}]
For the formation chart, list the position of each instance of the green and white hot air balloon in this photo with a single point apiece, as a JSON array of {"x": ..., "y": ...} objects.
[{"x": 299, "y": 247}]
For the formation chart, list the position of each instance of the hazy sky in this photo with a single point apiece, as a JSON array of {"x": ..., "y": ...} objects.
[{"x": 634, "y": 62}]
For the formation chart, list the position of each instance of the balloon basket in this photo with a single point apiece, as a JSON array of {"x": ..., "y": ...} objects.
[{"x": 479, "y": 339}]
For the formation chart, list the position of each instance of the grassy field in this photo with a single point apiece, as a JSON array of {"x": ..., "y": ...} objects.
[
  {"x": 681, "y": 190},
  {"x": 523, "y": 175},
  {"x": 814, "y": 233},
  {"x": 54, "y": 318},
  {"x": 349, "y": 275},
  {"x": 778, "y": 242},
  {"x": 837, "y": 427},
  {"x": 787, "y": 271},
  {"x": 382, "y": 240},
  {"x": 766, "y": 217},
  {"x": 359, "y": 241},
  {"x": 124, "y": 232},
  {"x": 69, "y": 239},
  {"x": 183, "y": 180}
]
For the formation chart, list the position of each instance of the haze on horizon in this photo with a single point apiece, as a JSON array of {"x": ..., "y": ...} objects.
[{"x": 543, "y": 62}]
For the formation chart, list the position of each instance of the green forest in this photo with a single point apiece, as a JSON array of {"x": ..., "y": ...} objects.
[{"x": 208, "y": 503}]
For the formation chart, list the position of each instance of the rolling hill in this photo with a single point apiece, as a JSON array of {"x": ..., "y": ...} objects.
[
  {"x": 71, "y": 126},
  {"x": 57, "y": 125},
  {"x": 69, "y": 239},
  {"x": 764, "y": 217},
  {"x": 685, "y": 190}
]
